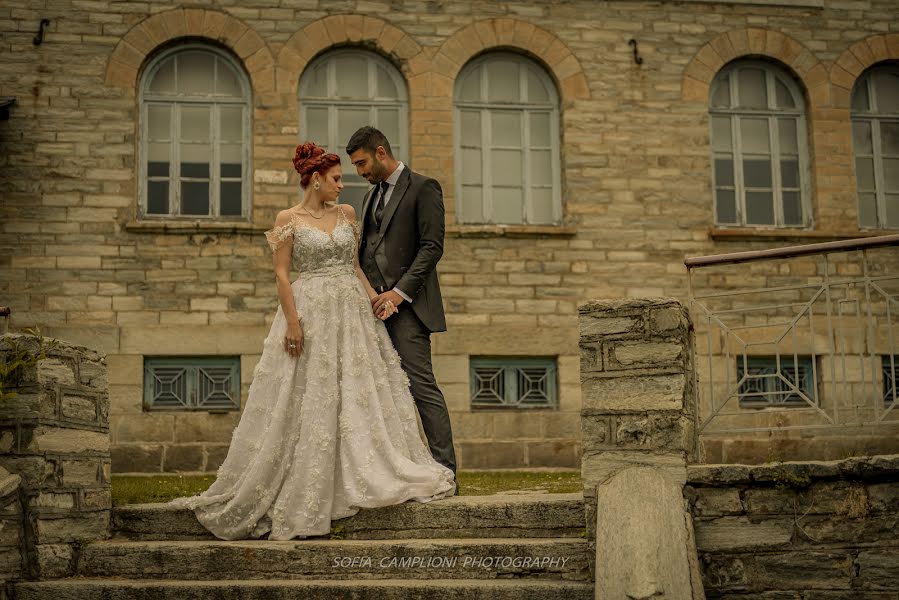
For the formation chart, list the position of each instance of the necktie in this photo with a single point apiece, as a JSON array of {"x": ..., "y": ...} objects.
[{"x": 379, "y": 207}]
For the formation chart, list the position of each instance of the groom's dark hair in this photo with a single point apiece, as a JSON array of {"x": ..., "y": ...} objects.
[{"x": 368, "y": 138}]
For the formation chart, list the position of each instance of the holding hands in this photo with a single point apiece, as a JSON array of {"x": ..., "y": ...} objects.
[{"x": 386, "y": 304}]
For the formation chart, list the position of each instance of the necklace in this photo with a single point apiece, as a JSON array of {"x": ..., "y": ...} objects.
[{"x": 312, "y": 214}]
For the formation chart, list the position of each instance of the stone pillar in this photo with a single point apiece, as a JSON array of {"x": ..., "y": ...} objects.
[
  {"x": 638, "y": 425},
  {"x": 54, "y": 435}
]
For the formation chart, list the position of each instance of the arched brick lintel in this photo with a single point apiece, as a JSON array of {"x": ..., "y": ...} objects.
[
  {"x": 474, "y": 39},
  {"x": 706, "y": 63},
  {"x": 856, "y": 59},
  {"x": 131, "y": 52}
]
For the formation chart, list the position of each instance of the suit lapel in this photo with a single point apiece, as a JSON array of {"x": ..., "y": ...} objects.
[{"x": 399, "y": 191}]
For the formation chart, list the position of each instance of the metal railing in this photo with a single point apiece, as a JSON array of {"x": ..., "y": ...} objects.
[{"x": 802, "y": 337}]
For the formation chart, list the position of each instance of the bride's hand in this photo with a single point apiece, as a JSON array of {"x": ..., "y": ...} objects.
[{"x": 293, "y": 341}]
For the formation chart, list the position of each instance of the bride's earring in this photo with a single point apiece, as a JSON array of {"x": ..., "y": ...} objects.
[{"x": 315, "y": 185}]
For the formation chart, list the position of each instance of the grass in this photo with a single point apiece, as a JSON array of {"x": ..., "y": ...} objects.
[{"x": 140, "y": 489}]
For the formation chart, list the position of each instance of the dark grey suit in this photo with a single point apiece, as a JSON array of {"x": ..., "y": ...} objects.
[{"x": 403, "y": 253}]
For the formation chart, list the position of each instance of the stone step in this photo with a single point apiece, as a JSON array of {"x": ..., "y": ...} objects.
[
  {"x": 525, "y": 515},
  {"x": 565, "y": 558},
  {"x": 391, "y": 589}
]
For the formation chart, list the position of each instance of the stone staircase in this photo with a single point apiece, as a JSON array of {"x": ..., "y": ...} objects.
[{"x": 521, "y": 547}]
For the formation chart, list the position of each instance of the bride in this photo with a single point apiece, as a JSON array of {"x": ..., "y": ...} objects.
[{"x": 329, "y": 425}]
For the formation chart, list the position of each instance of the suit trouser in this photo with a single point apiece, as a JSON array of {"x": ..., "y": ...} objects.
[{"x": 412, "y": 341}]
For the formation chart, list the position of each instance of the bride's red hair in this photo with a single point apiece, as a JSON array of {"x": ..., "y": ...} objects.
[{"x": 311, "y": 158}]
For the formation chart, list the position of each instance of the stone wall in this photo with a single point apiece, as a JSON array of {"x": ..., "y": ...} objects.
[
  {"x": 798, "y": 531},
  {"x": 635, "y": 178},
  {"x": 54, "y": 458}
]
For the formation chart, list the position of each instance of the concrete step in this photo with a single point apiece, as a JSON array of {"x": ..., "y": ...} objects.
[
  {"x": 391, "y": 589},
  {"x": 561, "y": 559},
  {"x": 525, "y": 515}
]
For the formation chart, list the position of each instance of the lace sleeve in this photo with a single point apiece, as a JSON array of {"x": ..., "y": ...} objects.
[{"x": 278, "y": 236}]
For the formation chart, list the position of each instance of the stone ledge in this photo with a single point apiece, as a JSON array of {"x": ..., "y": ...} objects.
[
  {"x": 509, "y": 230},
  {"x": 873, "y": 467},
  {"x": 728, "y": 234},
  {"x": 171, "y": 226}
]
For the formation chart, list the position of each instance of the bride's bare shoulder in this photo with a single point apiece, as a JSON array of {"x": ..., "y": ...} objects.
[
  {"x": 348, "y": 211},
  {"x": 284, "y": 217}
]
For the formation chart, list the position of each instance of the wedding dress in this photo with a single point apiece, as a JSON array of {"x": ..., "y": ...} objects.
[{"x": 332, "y": 431}]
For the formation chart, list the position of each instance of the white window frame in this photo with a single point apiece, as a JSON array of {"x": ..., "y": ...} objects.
[
  {"x": 873, "y": 117},
  {"x": 333, "y": 104},
  {"x": 148, "y": 98},
  {"x": 486, "y": 109},
  {"x": 772, "y": 114}
]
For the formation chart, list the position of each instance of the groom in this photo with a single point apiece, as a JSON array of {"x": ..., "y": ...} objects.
[{"x": 402, "y": 240}]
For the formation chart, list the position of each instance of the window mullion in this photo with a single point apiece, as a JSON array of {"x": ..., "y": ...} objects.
[
  {"x": 175, "y": 171},
  {"x": 739, "y": 189},
  {"x": 774, "y": 157},
  {"x": 487, "y": 176},
  {"x": 528, "y": 207},
  {"x": 879, "y": 185},
  {"x": 215, "y": 168}
]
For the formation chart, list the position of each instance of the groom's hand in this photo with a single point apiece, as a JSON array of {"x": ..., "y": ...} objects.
[{"x": 379, "y": 303}]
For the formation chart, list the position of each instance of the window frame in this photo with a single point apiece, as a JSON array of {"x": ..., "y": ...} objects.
[
  {"x": 772, "y": 382},
  {"x": 147, "y": 99},
  {"x": 192, "y": 365},
  {"x": 484, "y": 109},
  {"x": 773, "y": 73},
  {"x": 333, "y": 104},
  {"x": 873, "y": 117},
  {"x": 509, "y": 366}
]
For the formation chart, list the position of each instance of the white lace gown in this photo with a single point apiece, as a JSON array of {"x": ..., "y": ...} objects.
[{"x": 327, "y": 433}]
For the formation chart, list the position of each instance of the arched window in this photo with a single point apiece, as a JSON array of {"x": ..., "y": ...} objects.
[
  {"x": 507, "y": 142},
  {"x": 875, "y": 141},
  {"x": 195, "y": 131},
  {"x": 760, "y": 164},
  {"x": 345, "y": 89}
]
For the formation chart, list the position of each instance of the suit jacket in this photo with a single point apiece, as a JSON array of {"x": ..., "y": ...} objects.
[{"x": 409, "y": 243}]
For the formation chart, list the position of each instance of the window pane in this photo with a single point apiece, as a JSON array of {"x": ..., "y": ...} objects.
[
  {"x": 195, "y": 197},
  {"x": 158, "y": 197},
  {"x": 506, "y": 167},
  {"x": 159, "y": 153},
  {"x": 471, "y": 166},
  {"x": 159, "y": 123},
  {"x": 787, "y": 136},
  {"x": 195, "y": 170},
  {"x": 195, "y": 160},
  {"x": 508, "y": 205},
  {"x": 721, "y": 93},
  {"x": 194, "y": 124},
  {"x": 195, "y": 73},
  {"x": 724, "y": 172},
  {"x": 889, "y": 137},
  {"x": 751, "y": 85},
  {"x": 502, "y": 81},
  {"x": 784, "y": 97},
  {"x": 231, "y": 171},
  {"x": 792, "y": 208},
  {"x": 386, "y": 86},
  {"x": 157, "y": 169},
  {"x": 471, "y": 128},
  {"x": 230, "y": 159},
  {"x": 506, "y": 128},
  {"x": 541, "y": 170},
  {"x": 754, "y": 134},
  {"x": 540, "y": 129},
  {"x": 164, "y": 79},
  {"x": 537, "y": 92},
  {"x": 861, "y": 137},
  {"x": 892, "y": 211},
  {"x": 316, "y": 126},
  {"x": 721, "y": 134},
  {"x": 891, "y": 174},
  {"x": 472, "y": 204},
  {"x": 759, "y": 208},
  {"x": 349, "y": 120},
  {"x": 757, "y": 173},
  {"x": 886, "y": 91},
  {"x": 541, "y": 205},
  {"x": 470, "y": 88},
  {"x": 789, "y": 173},
  {"x": 227, "y": 83},
  {"x": 230, "y": 198},
  {"x": 316, "y": 81},
  {"x": 231, "y": 123},
  {"x": 352, "y": 77},
  {"x": 860, "y": 96},
  {"x": 725, "y": 205},
  {"x": 389, "y": 124},
  {"x": 867, "y": 210},
  {"x": 864, "y": 173}
]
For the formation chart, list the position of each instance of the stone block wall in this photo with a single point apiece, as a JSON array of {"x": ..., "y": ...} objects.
[
  {"x": 54, "y": 449},
  {"x": 798, "y": 531}
]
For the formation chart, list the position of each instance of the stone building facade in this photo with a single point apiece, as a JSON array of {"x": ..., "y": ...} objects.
[{"x": 629, "y": 195}]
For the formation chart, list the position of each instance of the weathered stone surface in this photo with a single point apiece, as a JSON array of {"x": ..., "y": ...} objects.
[
  {"x": 58, "y": 440},
  {"x": 883, "y": 497},
  {"x": 820, "y": 570},
  {"x": 133, "y": 458},
  {"x": 71, "y": 528},
  {"x": 80, "y": 472},
  {"x": 79, "y": 408},
  {"x": 605, "y": 326},
  {"x": 877, "y": 569},
  {"x": 54, "y": 560},
  {"x": 739, "y": 534},
  {"x": 713, "y": 502},
  {"x": 646, "y": 392},
  {"x": 64, "y": 500},
  {"x": 718, "y": 474},
  {"x": 771, "y": 501},
  {"x": 641, "y": 354}
]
